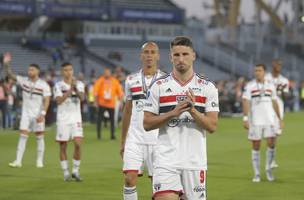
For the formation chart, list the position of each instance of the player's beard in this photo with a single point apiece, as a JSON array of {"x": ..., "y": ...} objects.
[{"x": 181, "y": 68}]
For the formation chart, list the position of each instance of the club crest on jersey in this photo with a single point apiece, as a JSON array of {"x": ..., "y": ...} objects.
[{"x": 181, "y": 98}]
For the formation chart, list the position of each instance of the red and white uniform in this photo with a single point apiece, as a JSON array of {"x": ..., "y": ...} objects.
[
  {"x": 261, "y": 120},
  {"x": 181, "y": 153},
  {"x": 281, "y": 84},
  {"x": 139, "y": 143},
  {"x": 33, "y": 94},
  {"x": 69, "y": 121}
]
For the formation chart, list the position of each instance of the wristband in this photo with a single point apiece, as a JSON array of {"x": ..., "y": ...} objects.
[
  {"x": 43, "y": 113},
  {"x": 245, "y": 118}
]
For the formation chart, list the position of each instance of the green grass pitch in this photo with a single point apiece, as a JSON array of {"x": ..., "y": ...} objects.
[{"x": 228, "y": 178}]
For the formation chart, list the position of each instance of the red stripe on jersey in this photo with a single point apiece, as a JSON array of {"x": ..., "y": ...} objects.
[
  {"x": 200, "y": 99},
  {"x": 253, "y": 91},
  {"x": 38, "y": 89},
  {"x": 167, "y": 99},
  {"x": 25, "y": 86},
  {"x": 268, "y": 90},
  {"x": 136, "y": 89}
]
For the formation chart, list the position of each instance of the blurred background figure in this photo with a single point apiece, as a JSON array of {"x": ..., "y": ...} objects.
[
  {"x": 3, "y": 103},
  {"x": 107, "y": 91}
]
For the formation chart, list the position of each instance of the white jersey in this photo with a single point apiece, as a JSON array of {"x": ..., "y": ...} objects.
[
  {"x": 281, "y": 84},
  {"x": 181, "y": 142},
  {"x": 260, "y": 96},
  {"x": 69, "y": 111},
  {"x": 33, "y": 94},
  {"x": 136, "y": 87}
]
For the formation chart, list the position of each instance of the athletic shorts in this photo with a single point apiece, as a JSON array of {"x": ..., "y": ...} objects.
[
  {"x": 189, "y": 184},
  {"x": 67, "y": 132},
  {"x": 30, "y": 124},
  {"x": 259, "y": 132},
  {"x": 138, "y": 156}
]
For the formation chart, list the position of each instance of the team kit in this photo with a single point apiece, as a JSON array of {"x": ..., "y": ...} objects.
[{"x": 165, "y": 122}]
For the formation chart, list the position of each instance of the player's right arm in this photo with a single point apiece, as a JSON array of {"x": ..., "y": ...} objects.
[
  {"x": 7, "y": 58},
  {"x": 246, "y": 105},
  {"x": 126, "y": 117}
]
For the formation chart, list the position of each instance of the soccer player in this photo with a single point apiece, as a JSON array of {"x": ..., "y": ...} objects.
[
  {"x": 183, "y": 105},
  {"x": 68, "y": 94},
  {"x": 36, "y": 99},
  {"x": 281, "y": 83},
  {"x": 137, "y": 144},
  {"x": 259, "y": 104}
]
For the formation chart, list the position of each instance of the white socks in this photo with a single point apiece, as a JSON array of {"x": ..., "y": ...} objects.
[
  {"x": 21, "y": 148},
  {"x": 269, "y": 157},
  {"x": 130, "y": 193},
  {"x": 65, "y": 167},
  {"x": 255, "y": 157},
  {"x": 40, "y": 148},
  {"x": 76, "y": 164}
]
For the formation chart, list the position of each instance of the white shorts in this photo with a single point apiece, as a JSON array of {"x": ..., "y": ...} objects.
[
  {"x": 66, "y": 132},
  {"x": 259, "y": 132},
  {"x": 190, "y": 184},
  {"x": 30, "y": 124},
  {"x": 138, "y": 156}
]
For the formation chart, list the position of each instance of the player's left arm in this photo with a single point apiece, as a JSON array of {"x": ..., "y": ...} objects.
[
  {"x": 46, "y": 103},
  {"x": 207, "y": 121},
  {"x": 79, "y": 90},
  {"x": 275, "y": 106}
]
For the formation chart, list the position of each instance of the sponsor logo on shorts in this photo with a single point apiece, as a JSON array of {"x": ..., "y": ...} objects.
[
  {"x": 200, "y": 189},
  {"x": 157, "y": 186}
]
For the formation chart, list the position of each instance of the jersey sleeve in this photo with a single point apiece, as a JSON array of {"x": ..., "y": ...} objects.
[
  {"x": 57, "y": 91},
  {"x": 128, "y": 93},
  {"x": 246, "y": 93},
  {"x": 212, "y": 102},
  {"x": 80, "y": 87},
  {"x": 20, "y": 79},
  {"x": 274, "y": 93},
  {"x": 286, "y": 86},
  {"x": 152, "y": 101},
  {"x": 47, "y": 90}
]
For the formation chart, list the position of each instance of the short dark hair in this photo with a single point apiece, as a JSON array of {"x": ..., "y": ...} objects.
[
  {"x": 181, "y": 41},
  {"x": 65, "y": 64},
  {"x": 35, "y": 66},
  {"x": 261, "y": 65}
]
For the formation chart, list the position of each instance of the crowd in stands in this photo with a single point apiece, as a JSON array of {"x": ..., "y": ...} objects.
[{"x": 230, "y": 95}]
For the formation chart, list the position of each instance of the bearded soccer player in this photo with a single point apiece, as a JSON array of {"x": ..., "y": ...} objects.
[
  {"x": 281, "y": 83},
  {"x": 259, "y": 103},
  {"x": 137, "y": 144},
  {"x": 35, "y": 102},
  {"x": 68, "y": 94},
  {"x": 183, "y": 105}
]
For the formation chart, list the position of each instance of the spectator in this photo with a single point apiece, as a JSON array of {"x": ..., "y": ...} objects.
[
  {"x": 302, "y": 95},
  {"x": 11, "y": 90},
  {"x": 107, "y": 90},
  {"x": 3, "y": 103}
]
